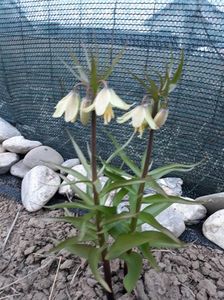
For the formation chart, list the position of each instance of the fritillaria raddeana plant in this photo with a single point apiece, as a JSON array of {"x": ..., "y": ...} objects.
[{"x": 105, "y": 234}]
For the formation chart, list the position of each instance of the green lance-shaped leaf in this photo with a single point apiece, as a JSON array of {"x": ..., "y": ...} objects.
[
  {"x": 124, "y": 183},
  {"x": 148, "y": 255},
  {"x": 115, "y": 230},
  {"x": 146, "y": 217},
  {"x": 153, "y": 89},
  {"x": 140, "y": 81},
  {"x": 170, "y": 65},
  {"x": 88, "y": 61},
  {"x": 119, "y": 197},
  {"x": 134, "y": 264},
  {"x": 117, "y": 178},
  {"x": 81, "y": 71},
  {"x": 162, "y": 171},
  {"x": 114, "y": 172},
  {"x": 161, "y": 80},
  {"x": 165, "y": 89},
  {"x": 118, "y": 218},
  {"x": 155, "y": 186},
  {"x": 115, "y": 61},
  {"x": 125, "y": 158},
  {"x": 156, "y": 208},
  {"x": 126, "y": 242},
  {"x": 129, "y": 183},
  {"x": 93, "y": 260},
  {"x": 72, "y": 245},
  {"x": 84, "y": 196},
  {"x": 76, "y": 221},
  {"x": 94, "y": 75},
  {"x": 132, "y": 201},
  {"x": 169, "y": 199},
  {"x": 83, "y": 231},
  {"x": 177, "y": 74},
  {"x": 80, "y": 155},
  {"x": 72, "y": 71},
  {"x": 106, "y": 210},
  {"x": 70, "y": 205},
  {"x": 115, "y": 153},
  {"x": 72, "y": 172}
]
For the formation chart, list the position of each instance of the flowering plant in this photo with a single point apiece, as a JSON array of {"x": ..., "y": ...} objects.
[{"x": 104, "y": 233}]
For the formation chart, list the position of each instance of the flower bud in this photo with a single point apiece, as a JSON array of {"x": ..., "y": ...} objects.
[
  {"x": 161, "y": 117},
  {"x": 84, "y": 116}
]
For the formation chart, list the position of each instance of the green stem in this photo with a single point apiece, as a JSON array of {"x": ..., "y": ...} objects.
[
  {"x": 145, "y": 170},
  {"x": 141, "y": 188},
  {"x": 101, "y": 237},
  {"x": 144, "y": 173}
]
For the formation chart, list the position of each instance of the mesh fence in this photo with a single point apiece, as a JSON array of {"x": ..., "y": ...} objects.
[{"x": 36, "y": 35}]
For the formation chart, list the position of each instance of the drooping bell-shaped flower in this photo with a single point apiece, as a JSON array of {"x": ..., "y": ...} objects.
[
  {"x": 141, "y": 118},
  {"x": 84, "y": 116},
  {"x": 161, "y": 117},
  {"x": 104, "y": 103},
  {"x": 69, "y": 105}
]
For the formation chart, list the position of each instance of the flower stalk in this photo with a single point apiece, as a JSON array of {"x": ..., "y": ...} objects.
[
  {"x": 145, "y": 169},
  {"x": 101, "y": 238}
]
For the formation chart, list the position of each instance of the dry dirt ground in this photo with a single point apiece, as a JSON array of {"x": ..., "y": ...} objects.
[{"x": 28, "y": 271}]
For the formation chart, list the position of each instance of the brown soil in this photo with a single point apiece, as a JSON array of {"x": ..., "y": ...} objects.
[{"x": 28, "y": 272}]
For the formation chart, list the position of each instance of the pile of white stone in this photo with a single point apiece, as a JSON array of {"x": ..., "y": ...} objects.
[{"x": 30, "y": 160}]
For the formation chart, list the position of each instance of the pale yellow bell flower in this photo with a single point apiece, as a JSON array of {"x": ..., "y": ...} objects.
[
  {"x": 84, "y": 116},
  {"x": 69, "y": 105},
  {"x": 104, "y": 103},
  {"x": 161, "y": 117},
  {"x": 140, "y": 118}
]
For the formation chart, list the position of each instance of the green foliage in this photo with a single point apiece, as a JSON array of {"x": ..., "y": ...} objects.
[
  {"x": 134, "y": 264},
  {"x": 154, "y": 239}
]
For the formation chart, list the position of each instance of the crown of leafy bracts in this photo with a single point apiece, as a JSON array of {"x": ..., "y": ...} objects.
[{"x": 153, "y": 112}]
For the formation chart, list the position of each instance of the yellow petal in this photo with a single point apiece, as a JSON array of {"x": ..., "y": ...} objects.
[
  {"x": 138, "y": 116},
  {"x": 102, "y": 101},
  {"x": 149, "y": 119},
  {"x": 125, "y": 117},
  {"x": 84, "y": 116},
  {"x": 61, "y": 106},
  {"x": 89, "y": 108},
  {"x": 161, "y": 117},
  {"x": 116, "y": 101},
  {"x": 72, "y": 108},
  {"x": 141, "y": 130},
  {"x": 108, "y": 115}
]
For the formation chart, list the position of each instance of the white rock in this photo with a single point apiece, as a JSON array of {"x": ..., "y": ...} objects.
[
  {"x": 38, "y": 186},
  {"x": 213, "y": 228},
  {"x": 19, "y": 169},
  {"x": 70, "y": 163},
  {"x": 41, "y": 155},
  {"x": 18, "y": 144},
  {"x": 171, "y": 185},
  {"x": 2, "y": 150},
  {"x": 65, "y": 189},
  {"x": 7, "y": 130},
  {"x": 6, "y": 161},
  {"x": 192, "y": 214},
  {"x": 170, "y": 219},
  {"x": 212, "y": 202}
]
